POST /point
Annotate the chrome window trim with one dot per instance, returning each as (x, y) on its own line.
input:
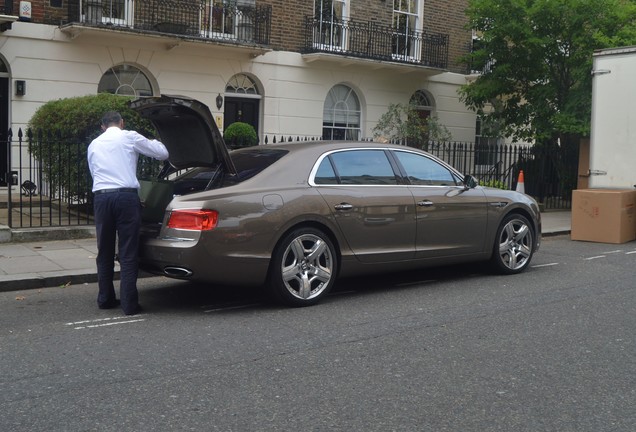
(314, 170)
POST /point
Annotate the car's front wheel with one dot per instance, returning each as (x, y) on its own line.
(304, 267)
(513, 246)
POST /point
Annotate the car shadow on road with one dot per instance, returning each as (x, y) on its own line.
(168, 295)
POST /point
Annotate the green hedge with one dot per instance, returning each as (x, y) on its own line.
(60, 132)
(81, 116)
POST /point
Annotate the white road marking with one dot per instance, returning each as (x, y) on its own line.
(544, 265)
(595, 257)
(103, 322)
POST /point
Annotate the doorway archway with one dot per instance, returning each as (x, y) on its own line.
(242, 102)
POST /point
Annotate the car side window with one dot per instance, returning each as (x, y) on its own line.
(325, 173)
(363, 167)
(422, 170)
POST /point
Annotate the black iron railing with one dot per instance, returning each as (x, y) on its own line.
(50, 183)
(550, 175)
(52, 186)
(203, 19)
(372, 41)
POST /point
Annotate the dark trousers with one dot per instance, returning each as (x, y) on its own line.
(117, 216)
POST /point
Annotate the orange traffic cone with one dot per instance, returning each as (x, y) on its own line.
(520, 186)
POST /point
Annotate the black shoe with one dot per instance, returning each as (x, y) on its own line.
(135, 311)
(110, 305)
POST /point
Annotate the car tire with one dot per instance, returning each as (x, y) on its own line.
(513, 246)
(303, 268)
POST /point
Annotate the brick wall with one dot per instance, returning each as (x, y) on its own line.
(440, 16)
(41, 10)
(288, 21)
(448, 16)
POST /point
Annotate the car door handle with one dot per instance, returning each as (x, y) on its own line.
(343, 206)
(425, 203)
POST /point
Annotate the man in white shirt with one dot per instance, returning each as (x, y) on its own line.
(112, 160)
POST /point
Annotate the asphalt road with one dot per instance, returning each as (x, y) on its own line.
(454, 349)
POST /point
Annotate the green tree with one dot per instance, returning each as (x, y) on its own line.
(536, 58)
(403, 123)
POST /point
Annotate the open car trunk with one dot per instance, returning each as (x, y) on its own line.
(188, 130)
(156, 194)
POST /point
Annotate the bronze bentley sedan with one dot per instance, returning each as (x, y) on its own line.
(294, 217)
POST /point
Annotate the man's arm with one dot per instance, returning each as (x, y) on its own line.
(148, 147)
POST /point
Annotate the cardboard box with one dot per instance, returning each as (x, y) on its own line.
(604, 215)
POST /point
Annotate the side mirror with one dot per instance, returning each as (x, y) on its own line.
(470, 182)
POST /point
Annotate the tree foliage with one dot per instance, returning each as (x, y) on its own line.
(403, 123)
(536, 58)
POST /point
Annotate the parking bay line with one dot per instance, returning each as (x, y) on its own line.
(103, 322)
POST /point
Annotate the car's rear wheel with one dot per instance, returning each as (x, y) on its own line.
(304, 267)
(513, 247)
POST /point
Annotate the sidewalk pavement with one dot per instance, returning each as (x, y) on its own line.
(49, 260)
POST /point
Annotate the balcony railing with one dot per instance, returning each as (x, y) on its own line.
(204, 19)
(372, 41)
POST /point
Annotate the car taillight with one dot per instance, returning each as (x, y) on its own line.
(198, 220)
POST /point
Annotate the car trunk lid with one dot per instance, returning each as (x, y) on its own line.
(188, 130)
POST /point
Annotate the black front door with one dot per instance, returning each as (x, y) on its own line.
(241, 110)
(4, 128)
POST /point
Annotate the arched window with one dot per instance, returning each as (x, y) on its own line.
(423, 103)
(241, 84)
(341, 114)
(125, 80)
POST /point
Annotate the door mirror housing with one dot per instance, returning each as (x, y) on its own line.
(470, 182)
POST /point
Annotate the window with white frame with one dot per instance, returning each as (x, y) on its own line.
(227, 19)
(241, 84)
(117, 12)
(407, 41)
(341, 114)
(125, 80)
(330, 29)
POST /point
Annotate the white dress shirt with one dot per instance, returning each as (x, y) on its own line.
(112, 157)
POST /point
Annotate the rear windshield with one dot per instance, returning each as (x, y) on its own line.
(248, 163)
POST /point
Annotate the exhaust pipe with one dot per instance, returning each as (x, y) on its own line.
(178, 272)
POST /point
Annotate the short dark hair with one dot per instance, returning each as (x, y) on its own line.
(111, 118)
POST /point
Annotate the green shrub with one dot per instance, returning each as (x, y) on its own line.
(494, 184)
(403, 123)
(81, 116)
(60, 132)
(239, 135)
